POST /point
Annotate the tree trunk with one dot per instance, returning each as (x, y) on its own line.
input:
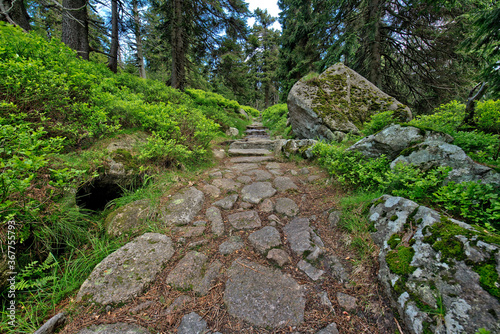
(138, 40)
(113, 58)
(178, 48)
(14, 12)
(75, 27)
(375, 56)
(470, 107)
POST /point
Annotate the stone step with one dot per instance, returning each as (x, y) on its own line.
(252, 159)
(249, 152)
(264, 144)
(255, 128)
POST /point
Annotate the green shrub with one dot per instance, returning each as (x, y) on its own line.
(378, 122)
(480, 143)
(275, 118)
(472, 201)
(351, 168)
(476, 202)
(251, 111)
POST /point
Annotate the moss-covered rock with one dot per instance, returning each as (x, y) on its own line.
(442, 274)
(338, 100)
(130, 218)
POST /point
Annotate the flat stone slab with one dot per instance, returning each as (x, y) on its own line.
(128, 219)
(267, 206)
(347, 302)
(244, 167)
(252, 152)
(204, 285)
(279, 256)
(188, 273)
(257, 191)
(183, 207)
(227, 202)
(303, 239)
(244, 220)
(118, 328)
(286, 206)
(244, 179)
(259, 174)
(252, 159)
(215, 217)
(265, 239)
(192, 323)
(283, 183)
(125, 273)
(309, 270)
(263, 296)
(276, 172)
(226, 184)
(273, 165)
(330, 329)
(231, 245)
(213, 191)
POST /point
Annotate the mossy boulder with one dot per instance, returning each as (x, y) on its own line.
(395, 139)
(440, 273)
(129, 218)
(430, 154)
(338, 100)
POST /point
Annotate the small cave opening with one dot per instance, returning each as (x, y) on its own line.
(96, 194)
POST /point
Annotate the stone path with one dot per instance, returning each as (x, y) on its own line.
(248, 249)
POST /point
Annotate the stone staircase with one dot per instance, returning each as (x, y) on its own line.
(256, 142)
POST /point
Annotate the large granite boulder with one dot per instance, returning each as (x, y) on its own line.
(431, 154)
(392, 140)
(125, 273)
(441, 274)
(339, 100)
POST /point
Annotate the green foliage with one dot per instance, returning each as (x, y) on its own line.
(53, 106)
(477, 202)
(351, 168)
(481, 143)
(60, 278)
(35, 275)
(275, 119)
(473, 201)
(482, 331)
(378, 122)
(251, 111)
(411, 182)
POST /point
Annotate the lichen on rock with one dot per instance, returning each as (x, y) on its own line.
(441, 273)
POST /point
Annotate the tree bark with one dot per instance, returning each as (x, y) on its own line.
(14, 12)
(470, 107)
(375, 54)
(75, 27)
(178, 48)
(138, 40)
(113, 59)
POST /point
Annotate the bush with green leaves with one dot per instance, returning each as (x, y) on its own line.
(275, 118)
(481, 143)
(473, 202)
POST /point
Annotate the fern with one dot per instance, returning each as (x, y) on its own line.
(35, 275)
